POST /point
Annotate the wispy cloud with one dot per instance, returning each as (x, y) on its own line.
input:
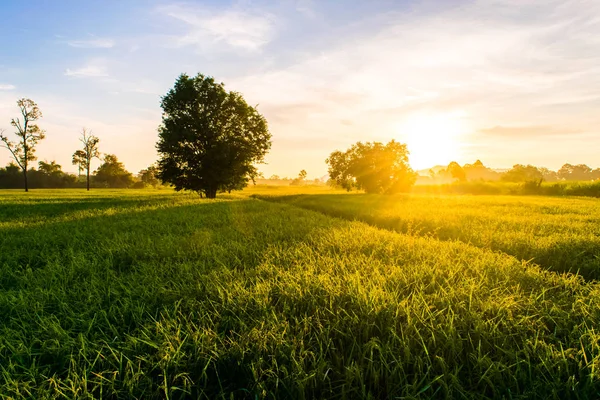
(94, 43)
(88, 71)
(513, 132)
(7, 87)
(306, 8)
(238, 28)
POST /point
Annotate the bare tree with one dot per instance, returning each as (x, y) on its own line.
(28, 134)
(83, 158)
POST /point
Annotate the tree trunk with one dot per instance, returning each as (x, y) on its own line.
(211, 194)
(88, 179)
(25, 178)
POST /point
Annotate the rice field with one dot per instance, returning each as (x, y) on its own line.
(153, 294)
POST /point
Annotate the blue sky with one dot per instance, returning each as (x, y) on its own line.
(505, 81)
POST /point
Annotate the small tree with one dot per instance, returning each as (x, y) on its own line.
(112, 173)
(83, 158)
(28, 134)
(456, 171)
(300, 179)
(149, 176)
(209, 139)
(78, 159)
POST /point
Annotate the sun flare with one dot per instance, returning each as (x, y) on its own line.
(432, 139)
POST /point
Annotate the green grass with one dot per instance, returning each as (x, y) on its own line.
(564, 188)
(560, 234)
(141, 294)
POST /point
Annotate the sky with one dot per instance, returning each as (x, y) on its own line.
(503, 81)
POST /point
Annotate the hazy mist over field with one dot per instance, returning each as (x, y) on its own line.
(507, 81)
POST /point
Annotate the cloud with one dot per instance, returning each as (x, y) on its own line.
(97, 43)
(512, 132)
(7, 87)
(306, 8)
(88, 71)
(248, 30)
(497, 65)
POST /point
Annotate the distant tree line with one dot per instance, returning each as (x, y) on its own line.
(21, 174)
(49, 175)
(519, 173)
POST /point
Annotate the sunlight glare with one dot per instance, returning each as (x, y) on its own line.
(432, 139)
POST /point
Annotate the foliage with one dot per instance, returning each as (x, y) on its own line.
(300, 180)
(528, 174)
(83, 158)
(561, 188)
(479, 172)
(51, 175)
(580, 172)
(149, 176)
(48, 175)
(112, 173)
(456, 171)
(28, 135)
(372, 167)
(210, 138)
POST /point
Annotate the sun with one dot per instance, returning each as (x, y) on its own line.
(432, 139)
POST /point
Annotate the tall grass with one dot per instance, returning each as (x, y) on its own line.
(587, 189)
(562, 235)
(168, 296)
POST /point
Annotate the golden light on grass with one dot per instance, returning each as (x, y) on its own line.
(433, 139)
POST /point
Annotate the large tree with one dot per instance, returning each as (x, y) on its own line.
(210, 138)
(373, 167)
(83, 157)
(28, 135)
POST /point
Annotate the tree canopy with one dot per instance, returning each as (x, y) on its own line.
(523, 173)
(112, 173)
(580, 172)
(456, 171)
(372, 167)
(148, 176)
(210, 138)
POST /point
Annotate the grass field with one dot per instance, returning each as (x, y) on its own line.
(560, 234)
(153, 294)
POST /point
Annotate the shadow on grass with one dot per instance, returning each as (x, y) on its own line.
(43, 208)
